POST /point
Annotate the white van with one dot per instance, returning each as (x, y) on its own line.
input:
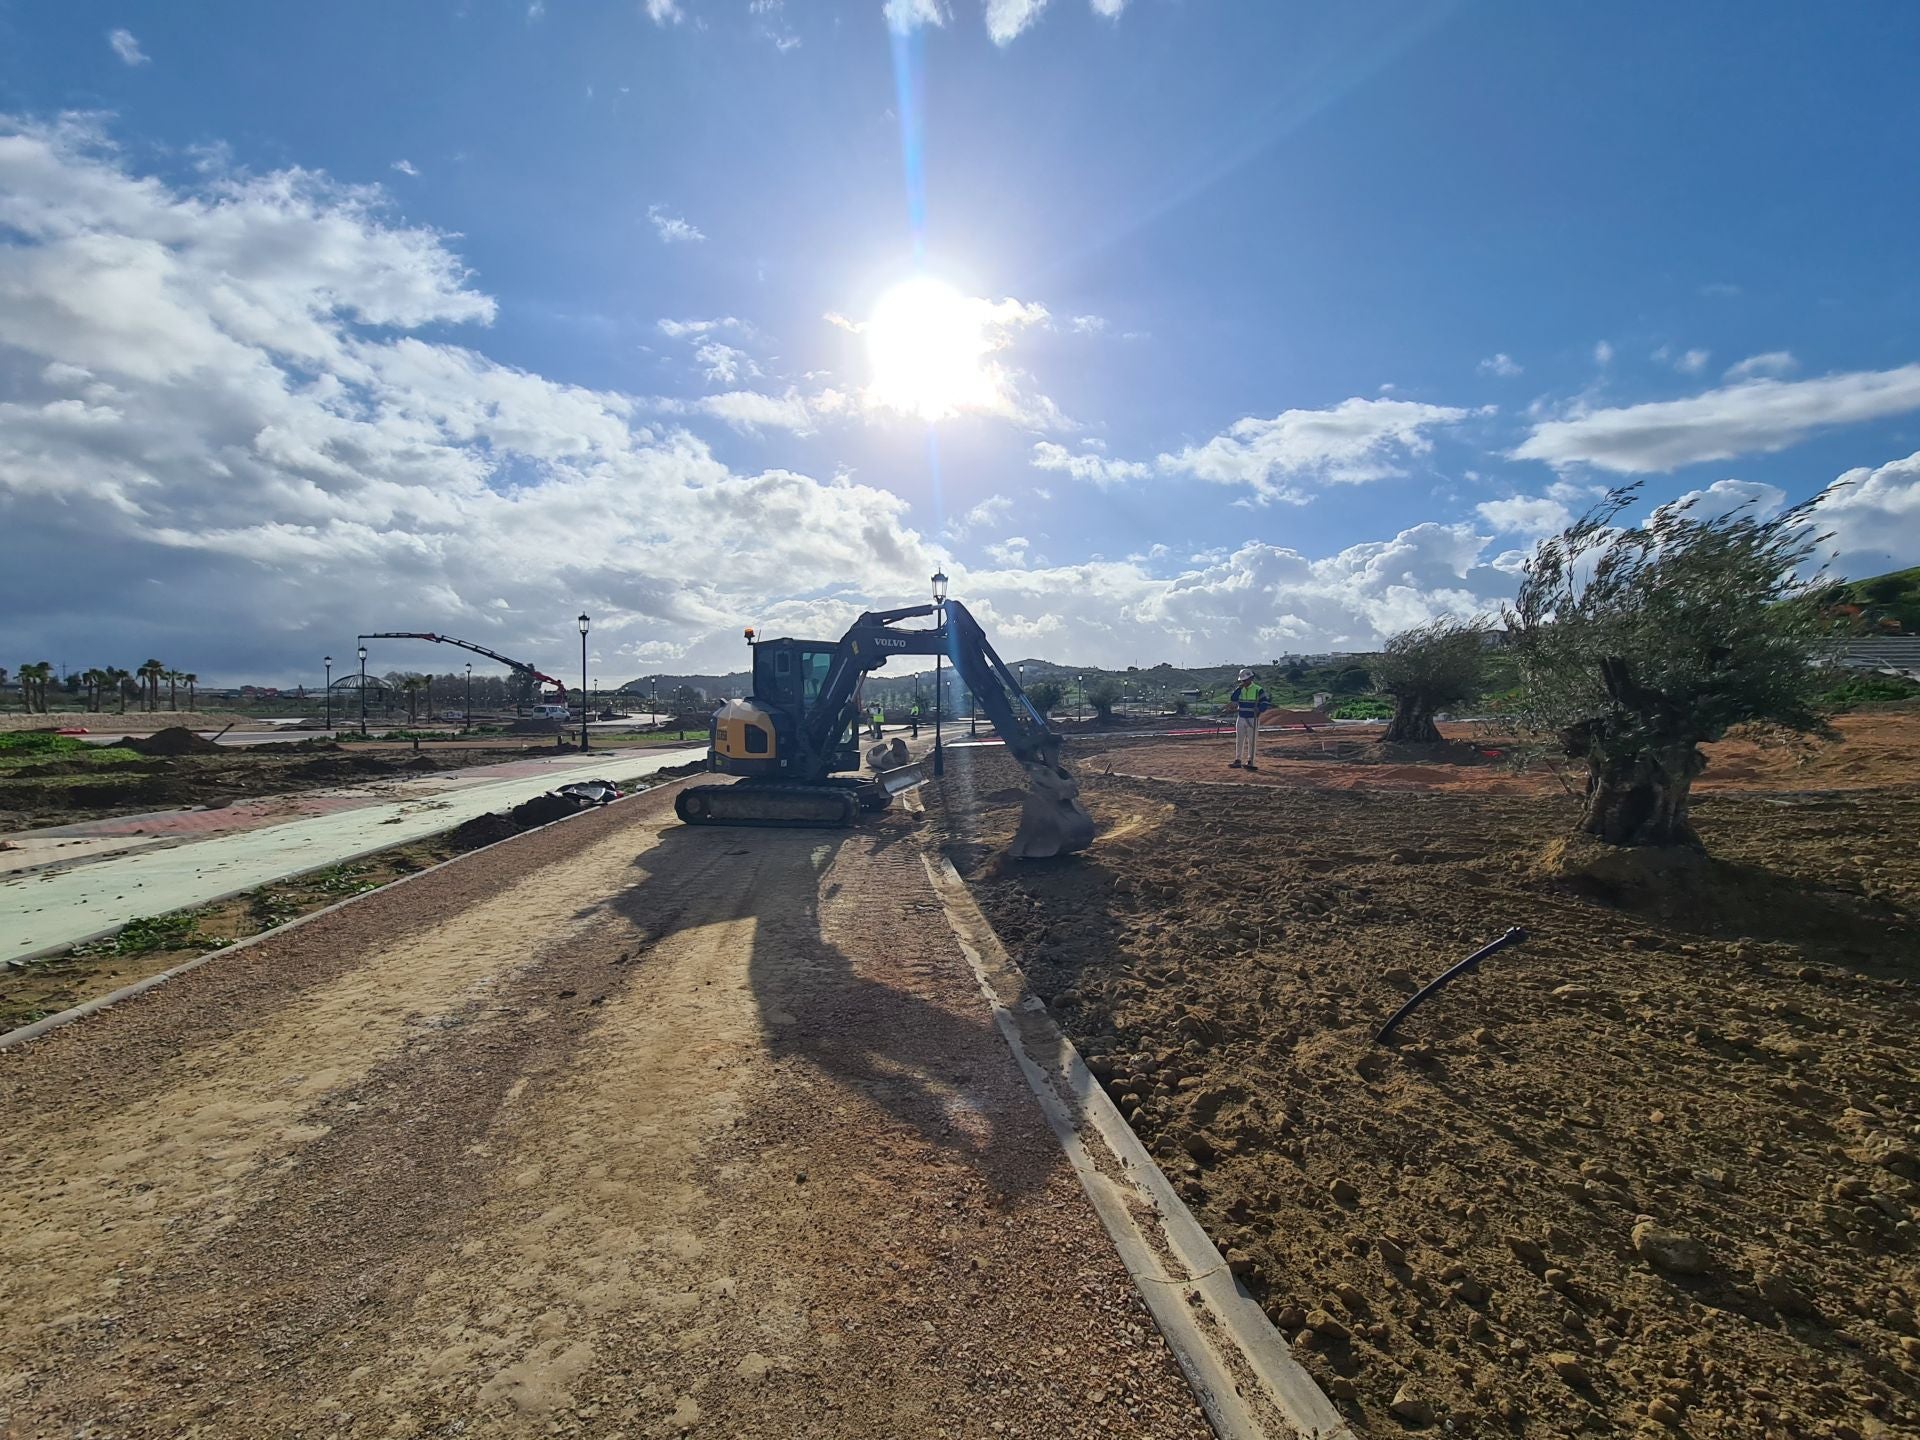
(552, 712)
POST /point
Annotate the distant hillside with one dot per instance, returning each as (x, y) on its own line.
(1887, 603)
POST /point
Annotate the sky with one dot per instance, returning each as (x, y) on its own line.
(1186, 330)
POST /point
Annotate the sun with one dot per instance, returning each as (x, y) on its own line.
(928, 345)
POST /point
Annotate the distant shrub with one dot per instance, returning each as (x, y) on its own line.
(1045, 695)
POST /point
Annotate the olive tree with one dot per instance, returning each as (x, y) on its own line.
(1045, 695)
(1426, 669)
(1636, 644)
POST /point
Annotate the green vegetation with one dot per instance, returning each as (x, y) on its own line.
(176, 931)
(1847, 689)
(1045, 695)
(21, 749)
(1365, 707)
(1102, 695)
(1889, 602)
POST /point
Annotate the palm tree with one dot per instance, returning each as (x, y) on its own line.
(150, 674)
(42, 673)
(190, 680)
(172, 678)
(93, 679)
(413, 685)
(121, 681)
(3, 677)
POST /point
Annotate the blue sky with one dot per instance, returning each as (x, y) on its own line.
(1296, 324)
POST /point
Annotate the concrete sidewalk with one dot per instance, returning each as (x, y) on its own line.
(66, 903)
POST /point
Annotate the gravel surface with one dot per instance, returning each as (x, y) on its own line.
(620, 1128)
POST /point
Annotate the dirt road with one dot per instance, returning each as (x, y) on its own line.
(618, 1129)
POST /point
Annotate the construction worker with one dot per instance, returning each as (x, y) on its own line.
(913, 719)
(1249, 702)
(876, 720)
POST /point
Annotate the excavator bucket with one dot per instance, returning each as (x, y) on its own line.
(1052, 821)
(891, 767)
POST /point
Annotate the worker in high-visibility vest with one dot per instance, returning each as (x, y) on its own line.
(913, 719)
(1248, 702)
(876, 720)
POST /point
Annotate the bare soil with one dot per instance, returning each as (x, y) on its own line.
(1874, 751)
(1655, 1171)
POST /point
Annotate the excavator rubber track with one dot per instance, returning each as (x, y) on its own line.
(792, 804)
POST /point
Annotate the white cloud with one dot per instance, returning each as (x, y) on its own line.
(1774, 363)
(536, 10)
(126, 47)
(905, 15)
(1012, 551)
(1873, 517)
(679, 329)
(1087, 324)
(1007, 18)
(1723, 497)
(1109, 8)
(1352, 442)
(990, 511)
(1760, 416)
(1097, 468)
(1500, 364)
(664, 12)
(405, 167)
(1602, 353)
(1693, 362)
(672, 228)
(1525, 515)
(723, 364)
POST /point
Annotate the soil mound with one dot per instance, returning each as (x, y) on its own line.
(543, 810)
(483, 830)
(174, 740)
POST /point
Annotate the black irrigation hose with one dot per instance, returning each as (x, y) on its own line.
(1515, 936)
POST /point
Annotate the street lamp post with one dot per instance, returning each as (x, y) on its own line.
(583, 680)
(1080, 705)
(467, 722)
(940, 610)
(329, 724)
(363, 692)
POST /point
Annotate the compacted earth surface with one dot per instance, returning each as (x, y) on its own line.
(1653, 1171)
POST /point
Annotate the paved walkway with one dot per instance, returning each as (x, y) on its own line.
(622, 1128)
(100, 885)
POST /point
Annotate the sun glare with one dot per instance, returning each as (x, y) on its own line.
(928, 346)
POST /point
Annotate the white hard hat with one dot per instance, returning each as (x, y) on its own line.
(1246, 674)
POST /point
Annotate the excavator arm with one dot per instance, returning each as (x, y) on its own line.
(1052, 822)
(520, 666)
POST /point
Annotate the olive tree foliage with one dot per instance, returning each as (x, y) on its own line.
(1045, 695)
(1425, 670)
(1102, 695)
(1636, 644)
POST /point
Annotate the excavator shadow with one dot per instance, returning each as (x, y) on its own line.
(855, 975)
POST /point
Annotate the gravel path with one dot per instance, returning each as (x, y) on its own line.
(621, 1128)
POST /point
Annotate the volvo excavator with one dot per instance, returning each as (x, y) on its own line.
(794, 740)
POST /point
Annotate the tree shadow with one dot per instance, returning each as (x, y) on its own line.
(853, 1017)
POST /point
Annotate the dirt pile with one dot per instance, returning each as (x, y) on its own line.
(174, 740)
(1655, 1172)
(486, 829)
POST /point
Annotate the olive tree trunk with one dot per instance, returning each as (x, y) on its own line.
(1412, 722)
(1642, 799)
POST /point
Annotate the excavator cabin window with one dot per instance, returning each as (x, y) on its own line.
(787, 673)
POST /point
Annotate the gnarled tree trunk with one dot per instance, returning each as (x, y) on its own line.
(1412, 722)
(1642, 799)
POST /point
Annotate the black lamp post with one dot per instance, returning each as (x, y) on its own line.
(467, 723)
(329, 663)
(1080, 705)
(583, 679)
(940, 609)
(363, 691)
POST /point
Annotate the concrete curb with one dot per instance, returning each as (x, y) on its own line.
(28, 1033)
(1242, 1371)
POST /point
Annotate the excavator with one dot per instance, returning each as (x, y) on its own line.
(793, 741)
